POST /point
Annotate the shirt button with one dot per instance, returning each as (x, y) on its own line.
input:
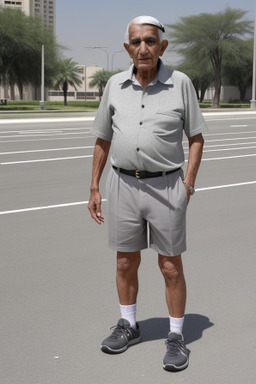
(138, 149)
(141, 123)
(143, 106)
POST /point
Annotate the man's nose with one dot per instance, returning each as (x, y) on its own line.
(143, 47)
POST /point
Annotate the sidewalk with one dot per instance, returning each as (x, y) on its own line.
(46, 114)
(43, 114)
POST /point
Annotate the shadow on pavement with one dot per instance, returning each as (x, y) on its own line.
(158, 328)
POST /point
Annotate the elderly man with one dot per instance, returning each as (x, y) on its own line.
(142, 116)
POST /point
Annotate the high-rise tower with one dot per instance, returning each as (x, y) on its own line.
(46, 9)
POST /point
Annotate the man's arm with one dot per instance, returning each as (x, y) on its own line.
(196, 144)
(100, 156)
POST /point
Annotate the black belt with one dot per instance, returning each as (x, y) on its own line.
(143, 174)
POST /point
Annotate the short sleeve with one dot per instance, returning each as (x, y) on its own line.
(194, 122)
(102, 125)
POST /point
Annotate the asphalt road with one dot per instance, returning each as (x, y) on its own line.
(57, 275)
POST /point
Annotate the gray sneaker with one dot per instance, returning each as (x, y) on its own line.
(122, 337)
(176, 357)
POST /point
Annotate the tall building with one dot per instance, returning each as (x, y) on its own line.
(13, 4)
(46, 9)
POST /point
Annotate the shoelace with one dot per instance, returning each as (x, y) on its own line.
(119, 331)
(174, 347)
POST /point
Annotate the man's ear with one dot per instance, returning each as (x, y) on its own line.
(164, 46)
(127, 47)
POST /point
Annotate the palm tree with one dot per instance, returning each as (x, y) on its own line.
(99, 80)
(67, 74)
(211, 37)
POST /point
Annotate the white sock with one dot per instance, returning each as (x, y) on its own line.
(128, 312)
(176, 324)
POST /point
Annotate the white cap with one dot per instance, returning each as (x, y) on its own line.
(148, 20)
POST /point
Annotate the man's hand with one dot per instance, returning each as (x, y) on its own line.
(188, 193)
(196, 144)
(99, 160)
(94, 207)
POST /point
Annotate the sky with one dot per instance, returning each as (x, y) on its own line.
(102, 23)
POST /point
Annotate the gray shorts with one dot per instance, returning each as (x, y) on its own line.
(147, 212)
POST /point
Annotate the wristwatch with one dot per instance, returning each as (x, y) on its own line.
(191, 189)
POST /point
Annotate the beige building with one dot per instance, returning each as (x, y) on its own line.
(82, 92)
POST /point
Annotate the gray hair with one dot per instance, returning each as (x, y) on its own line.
(146, 20)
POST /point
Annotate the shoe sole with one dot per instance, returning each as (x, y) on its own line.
(107, 349)
(174, 368)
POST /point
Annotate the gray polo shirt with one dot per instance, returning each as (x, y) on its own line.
(145, 126)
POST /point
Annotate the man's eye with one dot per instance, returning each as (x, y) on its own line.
(150, 41)
(135, 43)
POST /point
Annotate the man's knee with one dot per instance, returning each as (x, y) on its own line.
(128, 261)
(171, 267)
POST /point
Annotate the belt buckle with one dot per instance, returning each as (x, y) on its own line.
(137, 174)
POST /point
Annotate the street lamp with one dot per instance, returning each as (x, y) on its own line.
(42, 80)
(103, 49)
(253, 101)
(112, 58)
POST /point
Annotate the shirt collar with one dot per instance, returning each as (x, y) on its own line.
(163, 75)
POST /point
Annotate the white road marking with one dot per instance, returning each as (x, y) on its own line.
(228, 157)
(91, 118)
(238, 126)
(62, 129)
(45, 207)
(228, 145)
(45, 160)
(234, 113)
(229, 149)
(44, 134)
(233, 139)
(88, 156)
(229, 133)
(86, 136)
(46, 150)
(46, 120)
(44, 131)
(226, 186)
(104, 200)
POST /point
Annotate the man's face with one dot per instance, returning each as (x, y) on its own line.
(144, 46)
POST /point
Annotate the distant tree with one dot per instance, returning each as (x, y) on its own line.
(21, 39)
(200, 73)
(238, 72)
(68, 73)
(99, 80)
(214, 36)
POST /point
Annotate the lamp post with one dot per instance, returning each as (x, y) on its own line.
(253, 101)
(112, 58)
(42, 80)
(103, 49)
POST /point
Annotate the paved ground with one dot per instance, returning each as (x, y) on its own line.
(58, 296)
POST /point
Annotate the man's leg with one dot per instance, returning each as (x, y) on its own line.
(127, 284)
(176, 357)
(127, 331)
(175, 285)
(127, 276)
